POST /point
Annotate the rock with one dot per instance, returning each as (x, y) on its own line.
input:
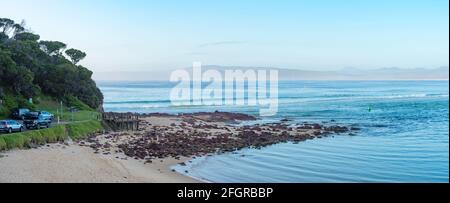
(199, 137)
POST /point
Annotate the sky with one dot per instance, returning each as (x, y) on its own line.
(146, 35)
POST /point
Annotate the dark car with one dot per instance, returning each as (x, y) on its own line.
(34, 120)
(10, 126)
(19, 113)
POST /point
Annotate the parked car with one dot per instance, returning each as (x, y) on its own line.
(35, 120)
(10, 126)
(19, 113)
(46, 115)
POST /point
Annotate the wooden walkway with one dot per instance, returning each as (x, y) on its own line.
(121, 121)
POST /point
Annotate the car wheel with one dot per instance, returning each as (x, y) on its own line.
(10, 130)
(21, 129)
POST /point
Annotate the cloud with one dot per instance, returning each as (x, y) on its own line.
(220, 43)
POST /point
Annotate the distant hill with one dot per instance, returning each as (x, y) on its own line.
(294, 74)
(376, 74)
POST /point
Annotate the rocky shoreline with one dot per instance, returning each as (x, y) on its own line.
(199, 134)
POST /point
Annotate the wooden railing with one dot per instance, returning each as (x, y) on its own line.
(121, 121)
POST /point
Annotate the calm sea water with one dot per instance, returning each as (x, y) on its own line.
(405, 138)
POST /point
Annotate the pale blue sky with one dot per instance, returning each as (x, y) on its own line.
(140, 35)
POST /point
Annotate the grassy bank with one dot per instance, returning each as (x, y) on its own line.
(84, 113)
(83, 129)
(51, 135)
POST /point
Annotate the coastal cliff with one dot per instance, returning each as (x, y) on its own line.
(32, 69)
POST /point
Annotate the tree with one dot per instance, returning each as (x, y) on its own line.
(75, 55)
(23, 82)
(30, 67)
(3, 37)
(24, 36)
(8, 26)
(2, 93)
(52, 47)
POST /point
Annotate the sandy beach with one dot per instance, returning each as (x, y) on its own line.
(59, 163)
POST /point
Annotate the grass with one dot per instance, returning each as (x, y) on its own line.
(50, 105)
(83, 129)
(30, 138)
(80, 116)
(51, 135)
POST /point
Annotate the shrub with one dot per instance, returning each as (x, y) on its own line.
(2, 144)
(75, 102)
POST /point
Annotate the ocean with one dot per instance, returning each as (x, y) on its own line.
(404, 133)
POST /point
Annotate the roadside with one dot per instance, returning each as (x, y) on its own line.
(57, 134)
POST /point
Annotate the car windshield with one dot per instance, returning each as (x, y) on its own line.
(32, 115)
(2, 122)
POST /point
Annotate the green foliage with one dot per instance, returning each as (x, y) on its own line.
(50, 135)
(75, 55)
(17, 78)
(75, 102)
(8, 26)
(26, 36)
(3, 145)
(52, 47)
(4, 112)
(11, 102)
(29, 67)
(18, 140)
(83, 129)
(80, 116)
